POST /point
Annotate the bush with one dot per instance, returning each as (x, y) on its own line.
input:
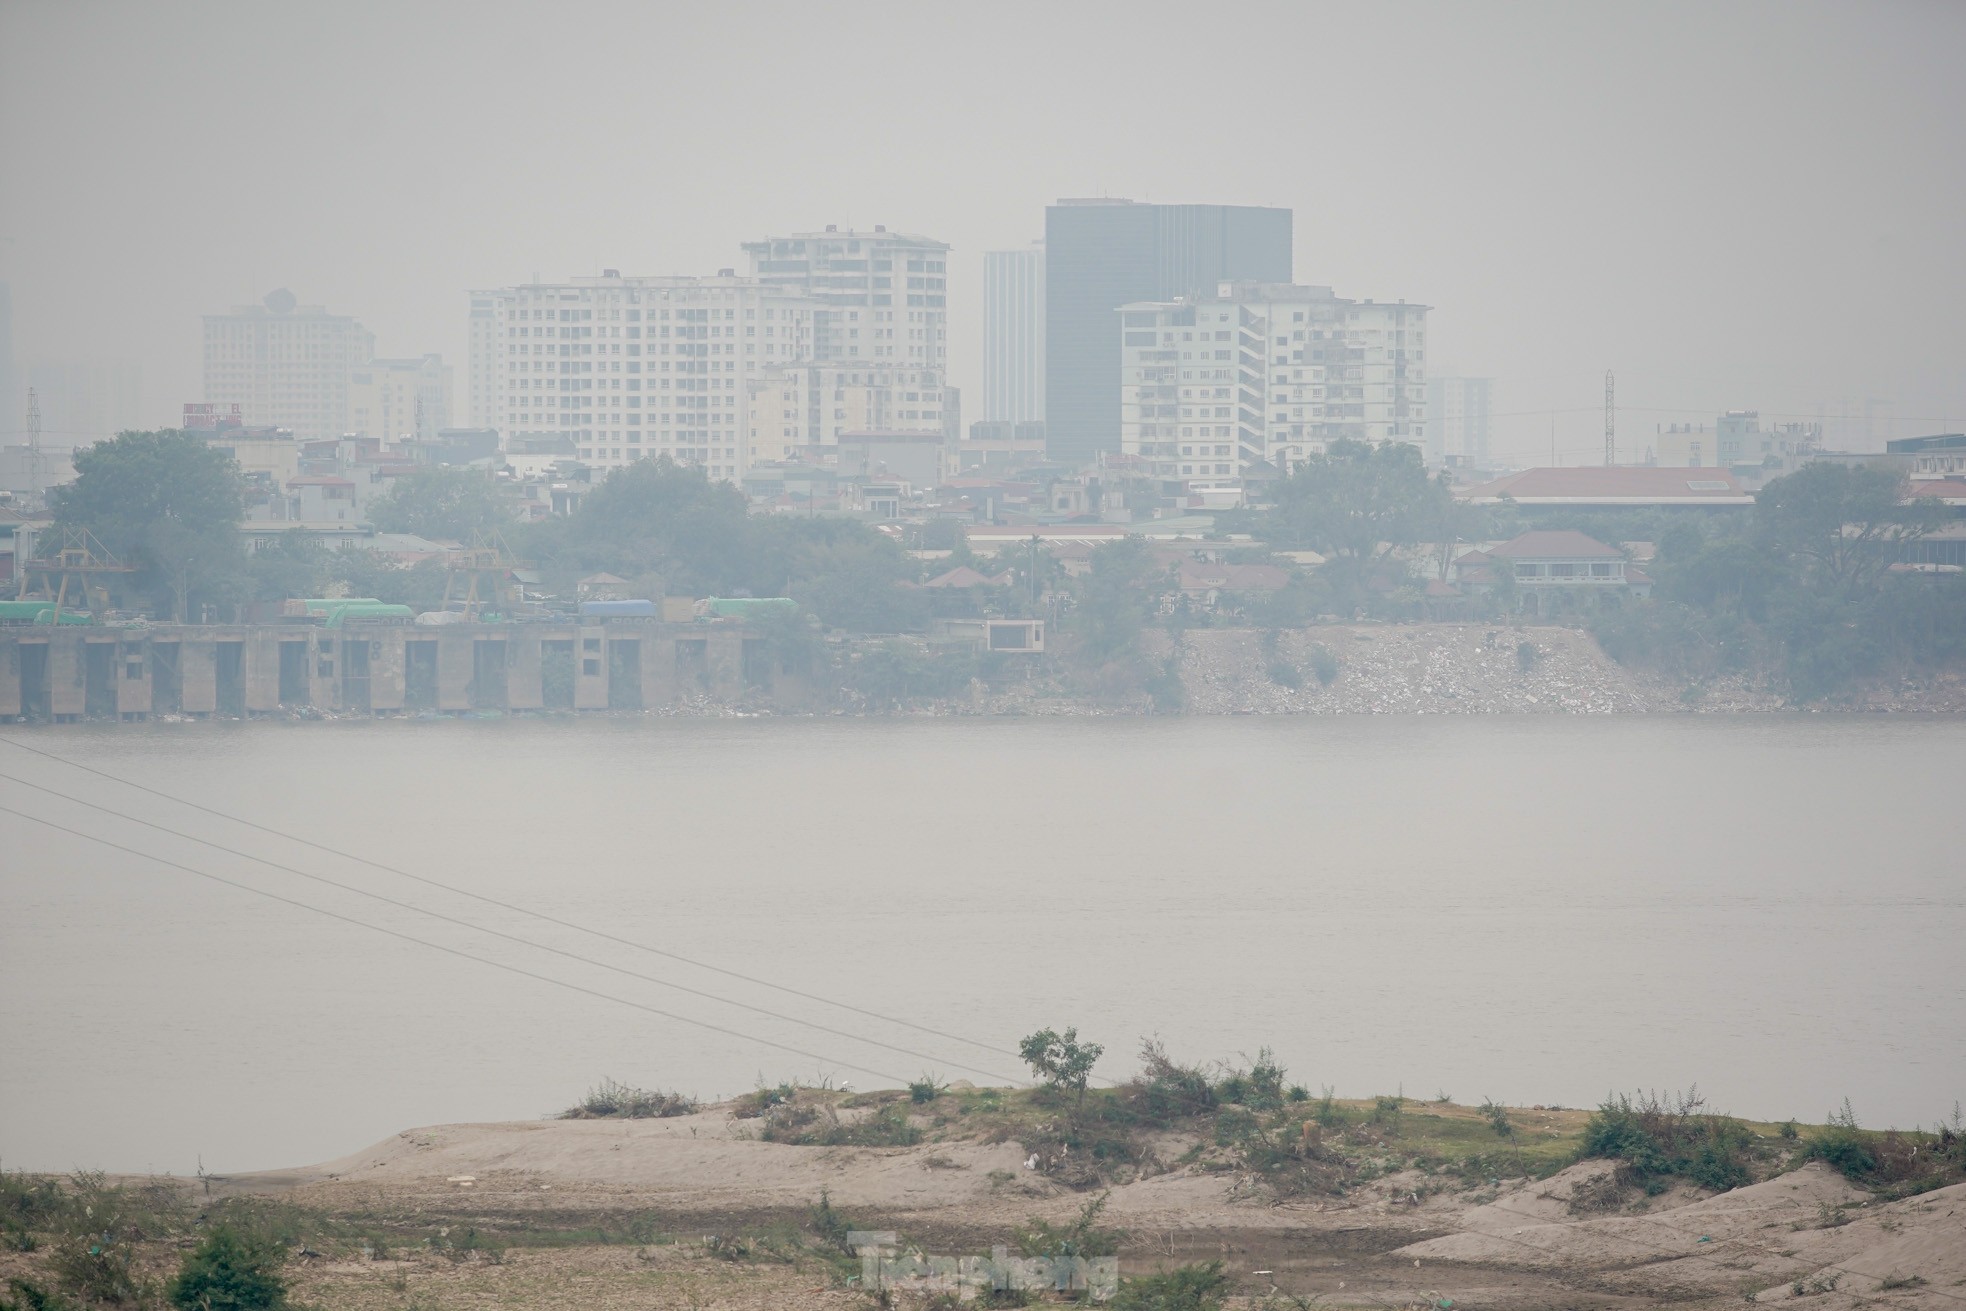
(1062, 1062)
(925, 1090)
(1525, 656)
(25, 1296)
(609, 1099)
(1164, 1090)
(1186, 1288)
(1284, 674)
(230, 1272)
(1662, 1138)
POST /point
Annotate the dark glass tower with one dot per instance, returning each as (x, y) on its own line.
(1102, 254)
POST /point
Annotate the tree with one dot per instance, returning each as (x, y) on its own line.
(450, 504)
(230, 1271)
(1062, 1062)
(1115, 597)
(1846, 524)
(1358, 499)
(165, 501)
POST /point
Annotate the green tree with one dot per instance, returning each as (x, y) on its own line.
(447, 504)
(1845, 524)
(1115, 597)
(165, 501)
(1062, 1061)
(230, 1271)
(1358, 499)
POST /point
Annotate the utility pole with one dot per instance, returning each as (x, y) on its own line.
(1610, 420)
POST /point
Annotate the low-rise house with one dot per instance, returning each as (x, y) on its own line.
(1554, 568)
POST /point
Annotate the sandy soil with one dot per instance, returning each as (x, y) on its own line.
(1402, 1241)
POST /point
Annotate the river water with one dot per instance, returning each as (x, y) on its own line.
(1537, 910)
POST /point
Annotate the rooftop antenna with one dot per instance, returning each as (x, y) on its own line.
(1610, 419)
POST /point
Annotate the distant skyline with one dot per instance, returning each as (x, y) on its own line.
(1741, 205)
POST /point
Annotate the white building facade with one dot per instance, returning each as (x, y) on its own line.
(883, 296)
(626, 368)
(397, 398)
(1013, 335)
(1266, 373)
(285, 365)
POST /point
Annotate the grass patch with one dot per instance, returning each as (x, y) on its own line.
(610, 1100)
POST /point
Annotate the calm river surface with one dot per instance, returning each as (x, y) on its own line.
(1532, 909)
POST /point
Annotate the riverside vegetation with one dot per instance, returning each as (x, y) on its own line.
(85, 1241)
(1796, 595)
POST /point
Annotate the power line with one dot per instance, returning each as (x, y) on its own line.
(506, 905)
(453, 951)
(498, 933)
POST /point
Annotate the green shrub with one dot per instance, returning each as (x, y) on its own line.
(230, 1271)
(609, 1099)
(1186, 1288)
(1525, 656)
(1663, 1138)
(1285, 674)
(26, 1296)
(925, 1090)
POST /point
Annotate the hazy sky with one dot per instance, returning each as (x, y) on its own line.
(1734, 205)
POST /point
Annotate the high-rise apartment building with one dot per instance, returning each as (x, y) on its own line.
(811, 404)
(1265, 372)
(1460, 420)
(285, 365)
(625, 368)
(1013, 335)
(1102, 254)
(480, 369)
(882, 295)
(393, 399)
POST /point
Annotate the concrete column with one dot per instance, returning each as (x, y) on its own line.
(198, 668)
(658, 668)
(726, 655)
(10, 676)
(590, 653)
(262, 670)
(524, 688)
(454, 659)
(67, 674)
(133, 695)
(388, 674)
(324, 690)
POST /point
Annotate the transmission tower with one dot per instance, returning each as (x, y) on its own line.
(1610, 420)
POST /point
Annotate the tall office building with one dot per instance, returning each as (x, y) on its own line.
(1102, 254)
(619, 369)
(1460, 420)
(882, 295)
(1265, 372)
(1013, 335)
(285, 365)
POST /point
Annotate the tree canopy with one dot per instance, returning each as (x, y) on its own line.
(165, 501)
(1357, 499)
(445, 504)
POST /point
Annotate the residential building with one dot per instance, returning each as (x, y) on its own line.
(1554, 569)
(1265, 373)
(827, 400)
(481, 355)
(284, 364)
(628, 368)
(882, 296)
(1460, 421)
(392, 399)
(1102, 254)
(1013, 335)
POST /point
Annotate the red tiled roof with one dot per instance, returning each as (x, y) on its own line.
(1613, 485)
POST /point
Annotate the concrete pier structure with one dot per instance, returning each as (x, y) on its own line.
(67, 674)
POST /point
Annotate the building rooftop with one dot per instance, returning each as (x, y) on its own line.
(1561, 544)
(1611, 485)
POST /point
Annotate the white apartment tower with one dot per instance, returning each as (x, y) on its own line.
(882, 295)
(285, 365)
(1266, 373)
(621, 369)
(1013, 335)
(480, 367)
(1460, 420)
